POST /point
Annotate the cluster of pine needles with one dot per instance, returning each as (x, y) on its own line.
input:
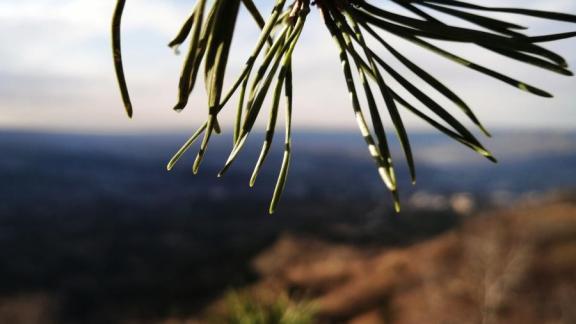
(268, 70)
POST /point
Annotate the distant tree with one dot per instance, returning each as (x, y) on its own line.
(210, 29)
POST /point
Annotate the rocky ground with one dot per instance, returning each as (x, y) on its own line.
(516, 265)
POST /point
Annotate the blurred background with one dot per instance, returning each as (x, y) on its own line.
(93, 229)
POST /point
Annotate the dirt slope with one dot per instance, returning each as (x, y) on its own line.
(511, 266)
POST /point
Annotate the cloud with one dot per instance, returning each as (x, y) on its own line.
(56, 69)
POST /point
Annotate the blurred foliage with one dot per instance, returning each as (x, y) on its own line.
(243, 309)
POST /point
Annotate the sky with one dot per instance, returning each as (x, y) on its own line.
(56, 71)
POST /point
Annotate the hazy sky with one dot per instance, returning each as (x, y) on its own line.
(56, 70)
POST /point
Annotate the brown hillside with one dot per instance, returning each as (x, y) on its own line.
(512, 266)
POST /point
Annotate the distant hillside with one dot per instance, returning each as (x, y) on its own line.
(94, 225)
(130, 169)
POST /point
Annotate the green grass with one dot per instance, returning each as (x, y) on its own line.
(243, 309)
